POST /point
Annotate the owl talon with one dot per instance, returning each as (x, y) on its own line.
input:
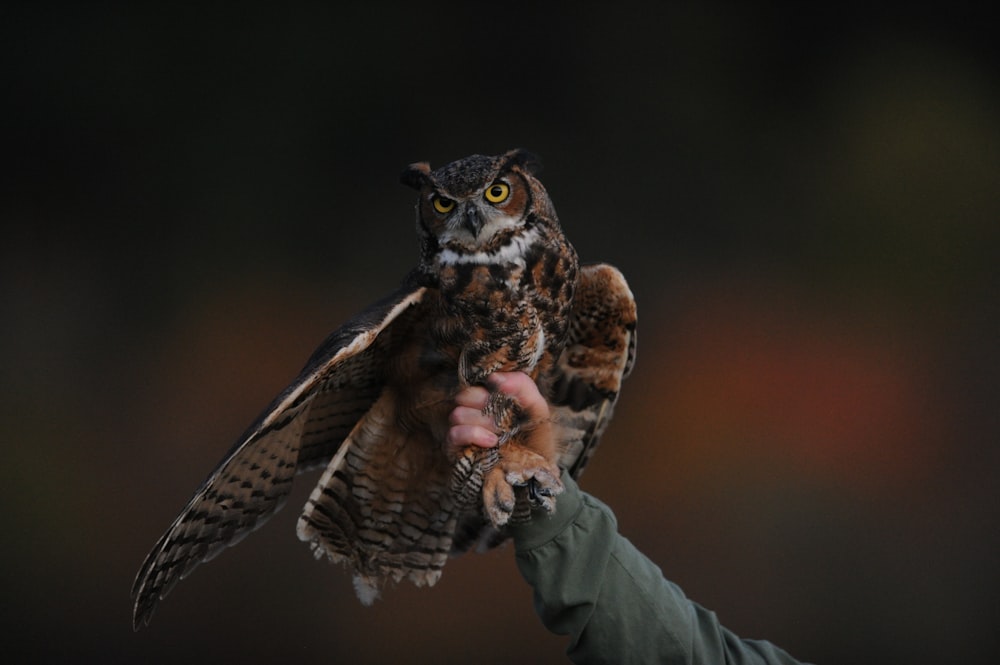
(537, 494)
(543, 496)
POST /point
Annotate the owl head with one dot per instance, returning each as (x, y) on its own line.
(479, 205)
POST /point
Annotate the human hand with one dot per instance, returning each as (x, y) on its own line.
(471, 427)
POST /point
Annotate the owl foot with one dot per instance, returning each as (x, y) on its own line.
(535, 479)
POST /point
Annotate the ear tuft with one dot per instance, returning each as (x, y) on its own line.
(525, 159)
(416, 175)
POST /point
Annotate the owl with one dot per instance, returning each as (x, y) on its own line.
(497, 288)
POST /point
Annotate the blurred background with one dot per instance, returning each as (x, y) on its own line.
(806, 207)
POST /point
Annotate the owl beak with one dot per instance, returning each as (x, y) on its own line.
(473, 221)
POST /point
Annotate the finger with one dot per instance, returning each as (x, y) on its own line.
(523, 390)
(467, 415)
(474, 397)
(460, 436)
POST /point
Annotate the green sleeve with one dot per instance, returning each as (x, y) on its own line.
(592, 584)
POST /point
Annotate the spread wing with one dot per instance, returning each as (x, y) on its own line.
(300, 430)
(598, 356)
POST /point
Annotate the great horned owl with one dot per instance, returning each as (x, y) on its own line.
(497, 288)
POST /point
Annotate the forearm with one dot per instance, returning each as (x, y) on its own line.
(592, 584)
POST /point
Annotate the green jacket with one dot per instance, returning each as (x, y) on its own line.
(592, 584)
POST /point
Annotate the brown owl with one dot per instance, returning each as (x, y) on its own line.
(497, 288)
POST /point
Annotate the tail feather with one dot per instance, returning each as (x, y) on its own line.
(383, 506)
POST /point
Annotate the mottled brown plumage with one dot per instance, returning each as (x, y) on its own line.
(497, 288)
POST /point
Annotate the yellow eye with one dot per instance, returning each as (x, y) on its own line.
(443, 205)
(497, 192)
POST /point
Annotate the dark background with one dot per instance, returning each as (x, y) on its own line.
(806, 207)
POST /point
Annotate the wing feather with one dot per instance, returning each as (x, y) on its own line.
(599, 354)
(301, 429)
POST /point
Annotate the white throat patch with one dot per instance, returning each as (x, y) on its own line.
(511, 253)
